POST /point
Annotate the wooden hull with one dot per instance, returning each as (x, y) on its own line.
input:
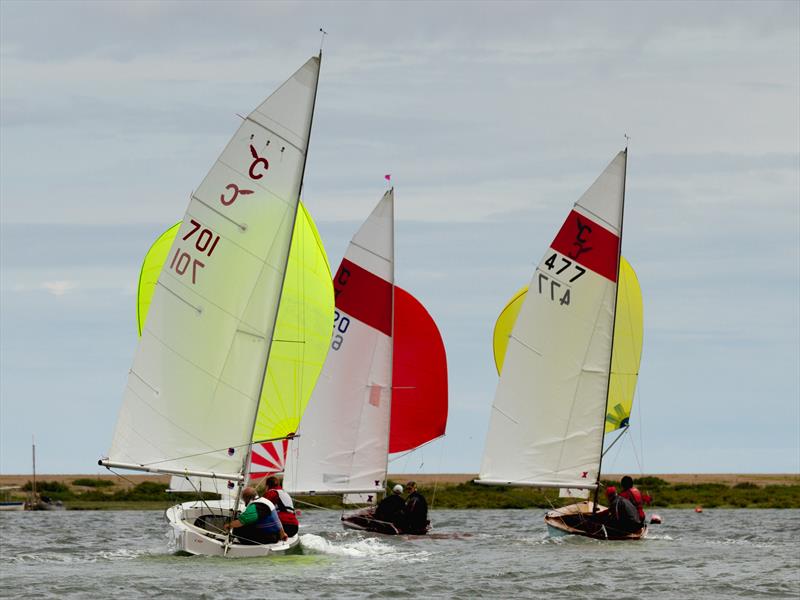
(363, 520)
(196, 528)
(581, 519)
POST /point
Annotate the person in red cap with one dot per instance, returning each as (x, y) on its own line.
(621, 512)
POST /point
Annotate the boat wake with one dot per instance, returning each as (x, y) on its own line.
(360, 547)
(76, 558)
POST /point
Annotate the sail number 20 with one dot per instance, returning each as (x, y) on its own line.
(205, 242)
(340, 325)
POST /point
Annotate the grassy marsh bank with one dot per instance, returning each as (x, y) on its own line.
(142, 492)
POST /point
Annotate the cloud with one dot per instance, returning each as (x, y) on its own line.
(59, 288)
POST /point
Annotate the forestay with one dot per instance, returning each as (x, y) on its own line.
(193, 391)
(548, 416)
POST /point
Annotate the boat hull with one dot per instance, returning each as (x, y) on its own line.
(12, 506)
(196, 528)
(581, 519)
(364, 520)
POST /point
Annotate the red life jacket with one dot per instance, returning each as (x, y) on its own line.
(635, 496)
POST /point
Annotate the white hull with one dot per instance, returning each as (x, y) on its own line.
(12, 506)
(186, 536)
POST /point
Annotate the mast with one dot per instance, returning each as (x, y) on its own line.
(391, 359)
(613, 333)
(33, 457)
(245, 469)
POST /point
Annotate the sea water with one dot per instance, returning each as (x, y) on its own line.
(470, 554)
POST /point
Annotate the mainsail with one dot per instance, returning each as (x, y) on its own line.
(301, 339)
(548, 416)
(344, 435)
(383, 388)
(193, 391)
(628, 336)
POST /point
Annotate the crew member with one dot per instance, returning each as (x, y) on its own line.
(416, 511)
(622, 513)
(284, 505)
(635, 496)
(390, 509)
(258, 523)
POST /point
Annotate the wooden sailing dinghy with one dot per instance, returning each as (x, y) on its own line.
(383, 388)
(560, 390)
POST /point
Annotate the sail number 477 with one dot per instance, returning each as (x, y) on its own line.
(548, 282)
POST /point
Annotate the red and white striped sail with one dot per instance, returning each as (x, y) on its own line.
(549, 410)
(343, 438)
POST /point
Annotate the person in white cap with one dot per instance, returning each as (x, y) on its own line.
(390, 508)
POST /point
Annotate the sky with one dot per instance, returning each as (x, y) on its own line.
(492, 118)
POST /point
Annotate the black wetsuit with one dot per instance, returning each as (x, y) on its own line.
(390, 510)
(416, 513)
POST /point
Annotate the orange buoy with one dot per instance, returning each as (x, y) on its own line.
(698, 509)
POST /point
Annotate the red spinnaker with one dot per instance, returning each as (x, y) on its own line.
(419, 381)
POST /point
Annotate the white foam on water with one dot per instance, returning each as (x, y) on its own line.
(367, 547)
(73, 558)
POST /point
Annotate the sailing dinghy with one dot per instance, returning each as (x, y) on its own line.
(560, 390)
(383, 387)
(191, 403)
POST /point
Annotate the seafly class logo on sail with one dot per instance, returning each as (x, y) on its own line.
(588, 243)
(206, 241)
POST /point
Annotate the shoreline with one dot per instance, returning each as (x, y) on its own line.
(429, 479)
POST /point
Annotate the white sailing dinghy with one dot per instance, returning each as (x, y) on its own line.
(383, 388)
(550, 410)
(191, 401)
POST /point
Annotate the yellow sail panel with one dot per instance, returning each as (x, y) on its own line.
(302, 331)
(504, 325)
(151, 268)
(628, 334)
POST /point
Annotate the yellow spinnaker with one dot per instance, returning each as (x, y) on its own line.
(628, 334)
(302, 331)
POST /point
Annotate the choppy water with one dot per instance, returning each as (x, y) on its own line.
(492, 553)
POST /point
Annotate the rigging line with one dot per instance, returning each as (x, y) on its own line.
(611, 445)
(264, 441)
(203, 500)
(636, 456)
(412, 450)
(121, 476)
(315, 505)
(436, 481)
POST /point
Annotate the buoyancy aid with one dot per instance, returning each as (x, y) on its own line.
(265, 509)
(283, 504)
(635, 496)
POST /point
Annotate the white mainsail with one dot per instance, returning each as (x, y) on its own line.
(548, 416)
(194, 387)
(344, 434)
